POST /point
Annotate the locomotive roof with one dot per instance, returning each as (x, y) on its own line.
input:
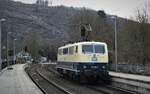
(80, 43)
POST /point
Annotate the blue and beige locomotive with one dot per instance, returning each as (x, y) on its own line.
(83, 61)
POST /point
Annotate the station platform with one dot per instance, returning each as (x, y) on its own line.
(16, 81)
(130, 76)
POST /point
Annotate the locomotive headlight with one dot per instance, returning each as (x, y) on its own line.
(84, 67)
(103, 67)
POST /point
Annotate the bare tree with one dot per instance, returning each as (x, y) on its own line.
(32, 41)
(136, 39)
(101, 30)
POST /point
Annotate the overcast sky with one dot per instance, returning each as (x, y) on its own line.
(122, 8)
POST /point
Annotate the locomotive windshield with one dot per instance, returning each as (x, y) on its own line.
(87, 48)
(99, 49)
(93, 49)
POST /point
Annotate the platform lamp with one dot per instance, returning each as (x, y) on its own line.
(14, 50)
(1, 20)
(116, 48)
(8, 65)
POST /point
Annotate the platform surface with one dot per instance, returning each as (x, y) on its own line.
(16, 81)
(130, 76)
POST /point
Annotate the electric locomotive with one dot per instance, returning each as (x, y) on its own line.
(83, 61)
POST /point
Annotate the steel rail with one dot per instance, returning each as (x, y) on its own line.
(36, 83)
(55, 84)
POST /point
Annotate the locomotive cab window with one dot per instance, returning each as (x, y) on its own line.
(99, 49)
(87, 48)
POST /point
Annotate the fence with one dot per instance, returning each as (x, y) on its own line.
(131, 68)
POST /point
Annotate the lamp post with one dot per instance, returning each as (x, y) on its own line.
(8, 50)
(1, 20)
(14, 48)
(116, 48)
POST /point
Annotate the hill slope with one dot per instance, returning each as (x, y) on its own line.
(52, 24)
(24, 18)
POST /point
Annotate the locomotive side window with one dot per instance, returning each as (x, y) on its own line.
(71, 50)
(65, 51)
(76, 49)
(99, 49)
(87, 48)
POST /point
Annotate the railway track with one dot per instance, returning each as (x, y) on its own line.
(55, 84)
(44, 84)
(105, 89)
(51, 77)
(110, 90)
(121, 90)
(35, 80)
(75, 89)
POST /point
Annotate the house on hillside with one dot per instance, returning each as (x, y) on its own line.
(42, 3)
(23, 57)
